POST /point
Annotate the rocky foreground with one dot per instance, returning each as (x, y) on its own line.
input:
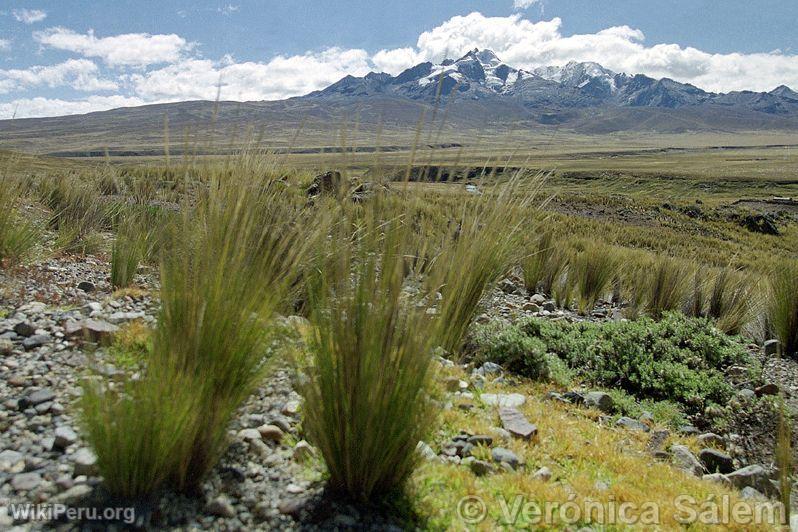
(56, 316)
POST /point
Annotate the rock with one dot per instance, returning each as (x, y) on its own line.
(538, 299)
(750, 493)
(488, 368)
(25, 329)
(760, 223)
(122, 317)
(543, 474)
(767, 389)
(452, 384)
(772, 347)
(6, 346)
(221, 507)
(271, 433)
(40, 396)
(549, 306)
(292, 507)
(480, 468)
(72, 496)
(426, 451)
(657, 440)
(511, 400)
(718, 478)
(12, 461)
(86, 286)
(754, 476)
(710, 438)
(505, 456)
(631, 424)
(326, 183)
(26, 481)
(531, 307)
(37, 340)
(746, 395)
(98, 331)
(600, 400)
(290, 408)
(249, 435)
(683, 459)
(85, 462)
(509, 287)
(716, 461)
(574, 397)
(516, 424)
(303, 451)
(688, 430)
(480, 439)
(64, 437)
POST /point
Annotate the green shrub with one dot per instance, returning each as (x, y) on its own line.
(676, 359)
(366, 392)
(783, 305)
(515, 351)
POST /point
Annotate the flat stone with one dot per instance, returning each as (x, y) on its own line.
(85, 462)
(26, 481)
(249, 434)
(767, 389)
(39, 396)
(772, 347)
(73, 495)
(480, 468)
(481, 439)
(12, 461)
(688, 430)
(754, 476)
(291, 408)
(632, 424)
(98, 331)
(271, 432)
(64, 437)
(716, 461)
(37, 340)
(505, 456)
(600, 400)
(512, 400)
(426, 451)
(710, 438)
(682, 458)
(516, 424)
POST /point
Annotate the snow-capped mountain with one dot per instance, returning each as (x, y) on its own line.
(482, 75)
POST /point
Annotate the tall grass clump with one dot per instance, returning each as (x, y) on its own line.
(783, 305)
(666, 286)
(77, 212)
(366, 402)
(545, 264)
(481, 249)
(594, 266)
(18, 235)
(731, 300)
(230, 260)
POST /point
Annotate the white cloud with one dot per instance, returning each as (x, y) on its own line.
(129, 49)
(524, 4)
(228, 10)
(282, 77)
(29, 16)
(38, 107)
(79, 74)
(5, 44)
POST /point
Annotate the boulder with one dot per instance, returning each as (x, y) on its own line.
(683, 459)
(600, 400)
(716, 461)
(753, 476)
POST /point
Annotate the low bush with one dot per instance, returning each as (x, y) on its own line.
(676, 359)
(515, 351)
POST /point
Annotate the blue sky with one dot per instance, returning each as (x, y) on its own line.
(71, 56)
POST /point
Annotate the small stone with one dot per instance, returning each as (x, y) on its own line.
(549, 306)
(600, 400)
(657, 440)
(85, 462)
(426, 451)
(516, 424)
(488, 368)
(767, 389)
(6, 346)
(98, 331)
(73, 495)
(750, 493)
(688, 430)
(37, 340)
(531, 307)
(506, 456)
(221, 507)
(249, 434)
(772, 347)
(716, 461)
(12, 461)
(271, 432)
(718, 478)
(511, 400)
(538, 299)
(291, 408)
(632, 424)
(292, 507)
(746, 395)
(64, 437)
(40, 396)
(86, 286)
(481, 468)
(683, 459)
(303, 451)
(25, 329)
(543, 474)
(26, 481)
(711, 439)
(481, 439)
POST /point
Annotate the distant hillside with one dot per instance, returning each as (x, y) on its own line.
(476, 91)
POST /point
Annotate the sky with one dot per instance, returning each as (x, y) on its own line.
(71, 56)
